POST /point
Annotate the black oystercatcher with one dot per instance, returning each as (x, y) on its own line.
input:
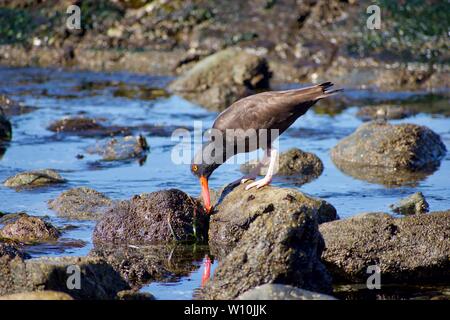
(251, 123)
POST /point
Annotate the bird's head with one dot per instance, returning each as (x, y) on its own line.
(202, 171)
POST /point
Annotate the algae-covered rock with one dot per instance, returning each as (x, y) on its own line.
(304, 166)
(11, 107)
(161, 216)
(390, 154)
(121, 148)
(414, 204)
(134, 295)
(384, 112)
(381, 144)
(86, 127)
(9, 250)
(412, 249)
(5, 128)
(272, 291)
(80, 203)
(37, 295)
(139, 265)
(282, 245)
(29, 229)
(223, 78)
(33, 179)
(236, 211)
(98, 280)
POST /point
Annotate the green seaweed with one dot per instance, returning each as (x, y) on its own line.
(414, 30)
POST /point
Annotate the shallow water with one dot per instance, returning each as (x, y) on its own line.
(56, 94)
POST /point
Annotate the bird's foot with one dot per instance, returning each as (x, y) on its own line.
(260, 183)
(247, 178)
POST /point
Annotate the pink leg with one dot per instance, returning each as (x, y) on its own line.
(255, 172)
(268, 178)
(207, 270)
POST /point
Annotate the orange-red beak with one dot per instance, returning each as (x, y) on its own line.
(205, 193)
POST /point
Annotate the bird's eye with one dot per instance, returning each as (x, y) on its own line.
(194, 167)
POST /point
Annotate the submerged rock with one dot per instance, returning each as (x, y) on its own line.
(238, 209)
(397, 291)
(272, 291)
(123, 148)
(139, 92)
(157, 217)
(382, 144)
(413, 249)
(414, 204)
(5, 128)
(139, 265)
(304, 165)
(11, 250)
(83, 126)
(384, 112)
(98, 280)
(379, 151)
(222, 78)
(29, 229)
(33, 179)
(37, 295)
(390, 177)
(80, 203)
(11, 107)
(134, 295)
(75, 124)
(281, 245)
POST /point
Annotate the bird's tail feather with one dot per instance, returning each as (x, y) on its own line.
(328, 93)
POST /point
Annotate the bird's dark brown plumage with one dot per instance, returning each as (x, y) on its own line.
(254, 119)
(271, 110)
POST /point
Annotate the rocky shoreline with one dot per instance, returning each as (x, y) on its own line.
(308, 42)
(269, 243)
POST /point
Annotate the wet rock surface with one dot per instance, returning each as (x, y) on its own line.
(304, 166)
(410, 249)
(222, 78)
(400, 291)
(9, 107)
(134, 295)
(9, 250)
(402, 153)
(389, 177)
(98, 279)
(237, 209)
(87, 127)
(282, 246)
(80, 203)
(122, 148)
(382, 144)
(5, 128)
(314, 40)
(28, 229)
(282, 292)
(139, 265)
(37, 295)
(384, 112)
(34, 179)
(162, 216)
(414, 204)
